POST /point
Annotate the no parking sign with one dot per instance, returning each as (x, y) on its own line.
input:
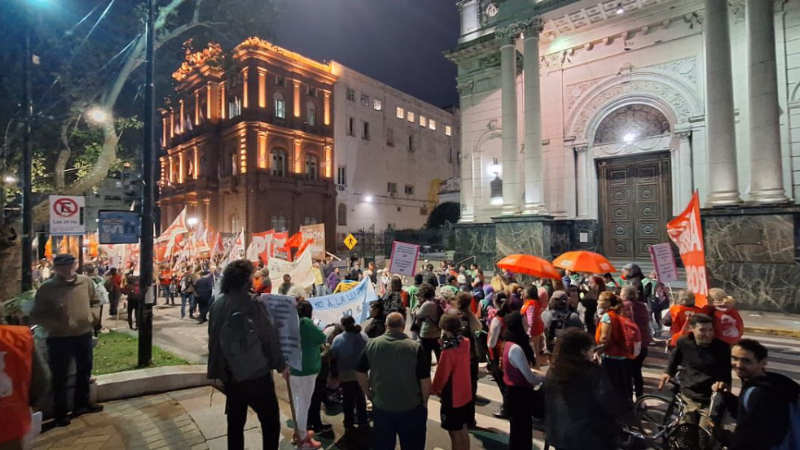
(66, 215)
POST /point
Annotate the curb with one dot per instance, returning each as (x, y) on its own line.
(154, 380)
(773, 331)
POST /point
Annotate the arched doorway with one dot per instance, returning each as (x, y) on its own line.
(634, 191)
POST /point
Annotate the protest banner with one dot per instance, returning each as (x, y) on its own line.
(404, 258)
(329, 309)
(260, 246)
(282, 311)
(687, 233)
(299, 270)
(664, 262)
(317, 233)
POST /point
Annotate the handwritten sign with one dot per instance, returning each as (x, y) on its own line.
(283, 314)
(664, 262)
(404, 258)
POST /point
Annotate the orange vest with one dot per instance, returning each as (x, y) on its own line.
(16, 360)
(680, 321)
(728, 325)
(616, 343)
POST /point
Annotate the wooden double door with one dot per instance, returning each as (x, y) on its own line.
(635, 194)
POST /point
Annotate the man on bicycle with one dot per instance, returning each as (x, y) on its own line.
(762, 411)
(704, 361)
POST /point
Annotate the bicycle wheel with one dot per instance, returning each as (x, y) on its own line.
(656, 413)
(688, 436)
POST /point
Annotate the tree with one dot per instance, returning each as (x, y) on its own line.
(444, 213)
(96, 64)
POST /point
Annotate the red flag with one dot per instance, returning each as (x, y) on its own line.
(303, 247)
(295, 241)
(686, 232)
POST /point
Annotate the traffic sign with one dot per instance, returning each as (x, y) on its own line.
(118, 227)
(350, 241)
(66, 215)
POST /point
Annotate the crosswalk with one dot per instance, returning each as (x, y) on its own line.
(784, 358)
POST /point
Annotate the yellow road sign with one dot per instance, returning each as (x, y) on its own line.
(350, 241)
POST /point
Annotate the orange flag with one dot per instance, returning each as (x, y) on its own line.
(686, 232)
(48, 248)
(295, 241)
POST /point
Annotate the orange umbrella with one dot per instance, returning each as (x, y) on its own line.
(583, 261)
(529, 265)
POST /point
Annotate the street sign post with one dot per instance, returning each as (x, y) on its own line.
(118, 227)
(66, 215)
(350, 241)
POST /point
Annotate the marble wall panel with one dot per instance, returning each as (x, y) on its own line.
(527, 237)
(763, 287)
(476, 240)
(750, 238)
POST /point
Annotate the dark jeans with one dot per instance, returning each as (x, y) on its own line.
(133, 310)
(354, 399)
(61, 351)
(258, 394)
(187, 298)
(619, 373)
(473, 375)
(498, 378)
(431, 345)
(410, 426)
(519, 404)
(319, 395)
(636, 372)
(169, 297)
(204, 305)
(113, 303)
(588, 319)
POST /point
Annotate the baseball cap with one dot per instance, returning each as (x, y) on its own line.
(63, 259)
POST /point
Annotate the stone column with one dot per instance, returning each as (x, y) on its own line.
(766, 171)
(508, 87)
(582, 181)
(723, 179)
(684, 183)
(534, 164)
(467, 182)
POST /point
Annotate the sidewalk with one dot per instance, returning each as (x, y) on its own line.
(771, 323)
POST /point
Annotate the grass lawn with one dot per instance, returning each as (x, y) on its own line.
(117, 352)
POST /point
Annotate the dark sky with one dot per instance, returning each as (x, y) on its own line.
(397, 42)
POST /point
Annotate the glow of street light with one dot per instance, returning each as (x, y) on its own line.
(620, 11)
(192, 221)
(10, 179)
(97, 115)
(368, 199)
(629, 137)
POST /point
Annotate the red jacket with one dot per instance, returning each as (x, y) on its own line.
(454, 366)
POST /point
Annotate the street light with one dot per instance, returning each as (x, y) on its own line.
(97, 115)
(10, 179)
(192, 221)
(368, 199)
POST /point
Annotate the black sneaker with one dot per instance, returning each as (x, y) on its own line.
(62, 422)
(88, 409)
(500, 414)
(324, 429)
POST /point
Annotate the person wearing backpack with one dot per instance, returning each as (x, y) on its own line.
(243, 350)
(635, 309)
(679, 314)
(767, 411)
(704, 361)
(470, 327)
(393, 300)
(558, 318)
(611, 345)
(427, 318)
(187, 293)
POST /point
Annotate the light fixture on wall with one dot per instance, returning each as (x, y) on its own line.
(494, 167)
(368, 199)
(630, 137)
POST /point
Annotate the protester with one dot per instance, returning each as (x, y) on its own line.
(264, 285)
(658, 300)
(635, 308)
(611, 283)
(763, 410)
(452, 382)
(373, 273)
(319, 281)
(386, 278)
(633, 276)
(204, 294)
(521, 402)
(679, 314)
(333, 279)
(376, 324)
(536, 301)
(187, 294)
(558, 318)
(286, 286)
(303, 381)
(704, 361)
(583, 408)
(134, 297)
(591, 292)
(113, 285)
(102, 295)
(470, 327)
(395, 300)
(62, 307)
(495, 342)
(395, 374)
(610, 338)
(246, 376)
(355, 273)
(345, 351)
(428, 276)
(427, 318)
(728, 323)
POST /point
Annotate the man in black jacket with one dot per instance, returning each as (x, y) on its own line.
(705, 361)
(762, 410)
(203, 292)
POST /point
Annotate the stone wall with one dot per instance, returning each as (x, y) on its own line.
(478, 240)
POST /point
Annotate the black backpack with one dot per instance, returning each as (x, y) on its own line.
(558, 323)
(241, 348)
(392, 302)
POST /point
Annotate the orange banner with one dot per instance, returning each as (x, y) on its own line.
(686, 232)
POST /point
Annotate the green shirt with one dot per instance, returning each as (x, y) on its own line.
(412, 296)
(395, 364)
(311, 338)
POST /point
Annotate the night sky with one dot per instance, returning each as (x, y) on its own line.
(397, 42)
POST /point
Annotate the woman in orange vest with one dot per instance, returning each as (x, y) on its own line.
(610, 338)
(728, 323)
(679, 314)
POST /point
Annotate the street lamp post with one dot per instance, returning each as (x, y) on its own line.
(27, 158)
(148, 182)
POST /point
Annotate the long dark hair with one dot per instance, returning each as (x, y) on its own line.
(569, 361)
(515, 332)
(350, 326)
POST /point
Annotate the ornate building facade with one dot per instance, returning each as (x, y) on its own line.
(589, 124)
(250, 146)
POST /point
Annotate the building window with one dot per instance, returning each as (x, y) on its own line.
(351, 95)
(311, 114)
(365, 130)
(390, 137)
(279, 163)
(401, 113)
(280, 106)
(410, 116)
(341, 178)
(279, 223)
(234, 107)
(311, 167)
(364, 100)
(234, 223)
(411, 142)
(280, 80)
(409, 189)
(310, 221)
(392, 188)
(311, 91)
(432, 124)
(423, 122)
(351, 126)
(342, 215)
(377, 105)
(448, 130)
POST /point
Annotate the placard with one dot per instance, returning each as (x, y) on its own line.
(664, 262)
(282, 312)
(316, 232)
(404, 258)
(66, 215)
